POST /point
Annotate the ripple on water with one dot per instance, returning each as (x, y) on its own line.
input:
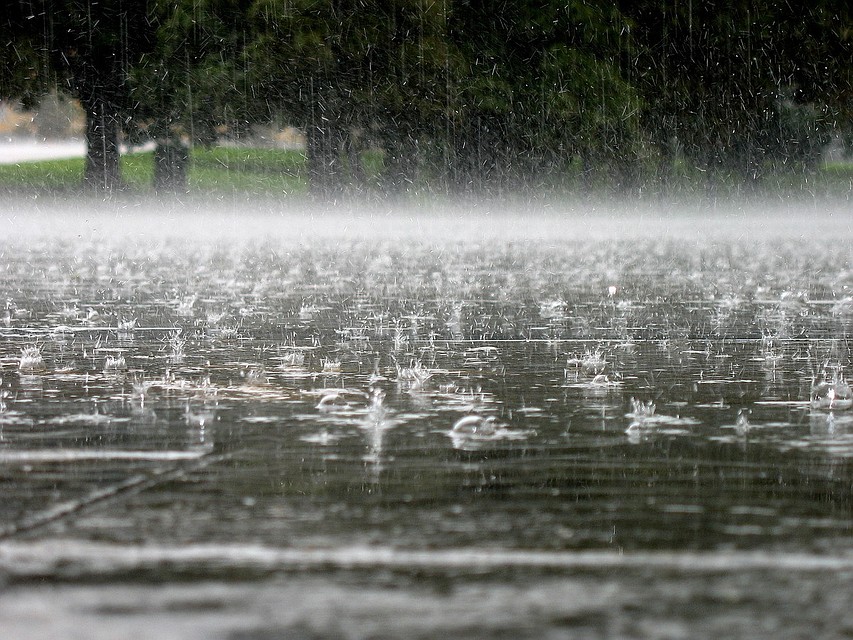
(507, 372)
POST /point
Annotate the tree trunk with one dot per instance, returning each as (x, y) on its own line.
(352, 148)
(103, 171)
(473, 156)
(323, 146)
(171, 159)
(401, 156)
(665, 174)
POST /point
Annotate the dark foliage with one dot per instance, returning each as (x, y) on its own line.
(455, 95)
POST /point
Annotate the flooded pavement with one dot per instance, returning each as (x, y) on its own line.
(368, 426)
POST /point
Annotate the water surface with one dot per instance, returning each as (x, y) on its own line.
(479, 407)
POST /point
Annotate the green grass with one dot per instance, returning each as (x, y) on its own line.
(225, 171)
(48, 175)
(838, 175)
(216, 171)
(249, 160)
(256, 171)
(137, 170)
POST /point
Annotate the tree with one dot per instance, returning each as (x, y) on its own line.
(407, 82)
(470, 94)
(744, 86)
(296, 65)
(542, 84)
(352, 73)
(185, 89)
(86, 48)
(25, 69)
(94, 45)
(811, 61)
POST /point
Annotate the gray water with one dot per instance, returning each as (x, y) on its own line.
(528, 422)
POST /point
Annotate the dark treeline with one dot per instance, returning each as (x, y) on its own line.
(452, 95)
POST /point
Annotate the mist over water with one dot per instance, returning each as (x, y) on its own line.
(508, 219)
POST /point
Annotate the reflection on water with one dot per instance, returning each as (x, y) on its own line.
(632, 395)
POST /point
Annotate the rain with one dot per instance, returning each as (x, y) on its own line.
(364, 320)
